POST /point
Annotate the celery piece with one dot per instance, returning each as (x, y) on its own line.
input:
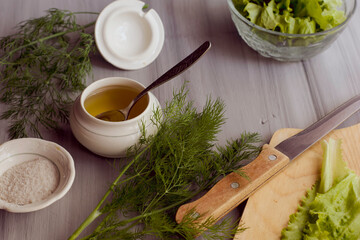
(332, 210)
(333, 167)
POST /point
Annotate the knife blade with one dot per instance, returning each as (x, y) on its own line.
(233, 189)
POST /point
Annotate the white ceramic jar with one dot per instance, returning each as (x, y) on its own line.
(110, 139)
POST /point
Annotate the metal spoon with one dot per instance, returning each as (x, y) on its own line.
(173, 72)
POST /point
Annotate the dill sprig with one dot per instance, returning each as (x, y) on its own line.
(168, 169)
(41, 66)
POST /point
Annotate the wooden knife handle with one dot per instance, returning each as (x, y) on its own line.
(233, 189)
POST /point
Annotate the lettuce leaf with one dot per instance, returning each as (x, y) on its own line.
(253, 11)
(298, 220)
(267, 17)
(331, 209)
(336, 213)
(292, 16)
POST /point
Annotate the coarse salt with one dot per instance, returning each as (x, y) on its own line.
(29, 182)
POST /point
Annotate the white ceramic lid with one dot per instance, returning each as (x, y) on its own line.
(128, 36)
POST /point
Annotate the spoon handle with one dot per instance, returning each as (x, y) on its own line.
(177, 69)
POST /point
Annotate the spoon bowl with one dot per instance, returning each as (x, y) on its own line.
(118, 115)
(112, 115)
(123, 114)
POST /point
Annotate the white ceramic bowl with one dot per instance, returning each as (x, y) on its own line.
(26, 149)
(128, 36)
(110, 139)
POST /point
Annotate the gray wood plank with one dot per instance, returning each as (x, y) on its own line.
(260, 94)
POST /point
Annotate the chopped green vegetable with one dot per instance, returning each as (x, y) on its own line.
(298, 220)
(176, 164)
(292, 16)
(336, 213)
(42, 65)
(331, 209)
(333, 168)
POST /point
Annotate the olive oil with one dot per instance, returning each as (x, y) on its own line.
(115, 97)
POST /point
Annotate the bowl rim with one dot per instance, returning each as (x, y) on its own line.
(291, 35)
(106, 81)
(154, 25)
(69, 173)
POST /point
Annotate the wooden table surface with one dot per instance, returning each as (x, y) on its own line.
(261, 95)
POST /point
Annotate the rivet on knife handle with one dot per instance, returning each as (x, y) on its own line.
(233, 189)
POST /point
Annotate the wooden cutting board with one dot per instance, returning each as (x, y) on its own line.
(268, 209)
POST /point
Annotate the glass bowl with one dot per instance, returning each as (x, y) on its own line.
(288, 47)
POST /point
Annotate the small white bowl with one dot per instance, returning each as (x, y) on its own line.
(110, 139)
(26, 149)
(128, 37)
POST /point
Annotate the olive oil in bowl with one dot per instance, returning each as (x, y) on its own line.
(112, 139)
(115, 97)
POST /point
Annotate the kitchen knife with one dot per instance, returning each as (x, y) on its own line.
(233, 189)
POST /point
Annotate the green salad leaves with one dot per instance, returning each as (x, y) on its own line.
(331, 209)
(292, 16)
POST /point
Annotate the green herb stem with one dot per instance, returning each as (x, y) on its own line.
(93, 215)
(178, 163)
(56, 34)
(41, 67)
(136, 218)
(97, 212)
(45, 39)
